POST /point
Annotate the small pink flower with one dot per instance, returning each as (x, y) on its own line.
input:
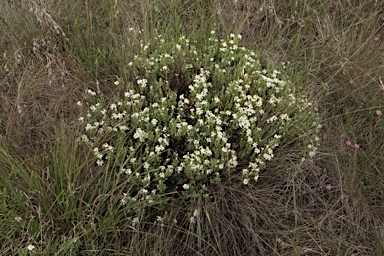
(174, 221)
(348, 143)
(351, 81)
(328, 187)
(378, 112)
(357, 146)
(376, 39)
(162, 225)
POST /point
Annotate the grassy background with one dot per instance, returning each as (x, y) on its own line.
(53, 50)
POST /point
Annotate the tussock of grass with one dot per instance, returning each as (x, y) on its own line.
(52, 197)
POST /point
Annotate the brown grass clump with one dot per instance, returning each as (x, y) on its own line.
(41, 81)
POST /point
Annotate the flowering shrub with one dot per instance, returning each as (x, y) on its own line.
(193, 116)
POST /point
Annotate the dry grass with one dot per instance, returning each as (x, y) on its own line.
(52, 51)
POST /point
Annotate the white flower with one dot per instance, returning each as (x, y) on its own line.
(142, 82)
(185, 186)
(154, 121)
(159, 148)
(147, 178)
(135, 220)
(31, 247)
(117, 116)
(93, 108)
(246, 181)
(271, 119)
(127, 171)
(90, 92)
(123, 128)
(107, 147)
(140, 134)
(267, 156)
(285, 117)
(233, 161)
(113, 106)
(277, 136)
(123, 200)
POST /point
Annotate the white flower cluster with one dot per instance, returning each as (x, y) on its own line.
(223, 115)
